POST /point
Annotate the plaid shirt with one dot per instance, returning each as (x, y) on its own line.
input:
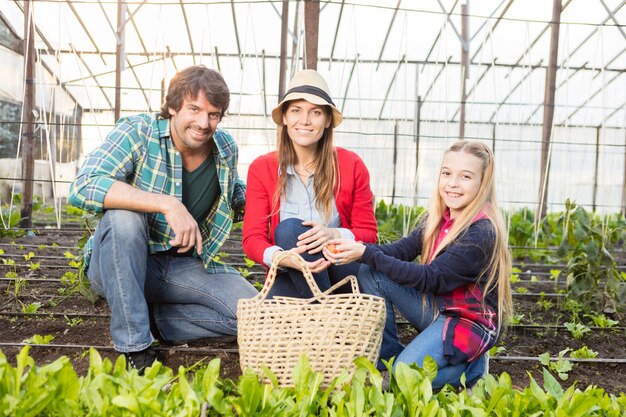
(140, 152)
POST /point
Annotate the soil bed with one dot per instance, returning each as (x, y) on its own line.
(76, 321)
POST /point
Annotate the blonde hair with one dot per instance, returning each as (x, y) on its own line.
(326, 177)
(498, 268)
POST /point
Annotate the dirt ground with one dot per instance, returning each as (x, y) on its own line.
(73, 320)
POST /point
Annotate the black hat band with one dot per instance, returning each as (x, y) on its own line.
(309, 89)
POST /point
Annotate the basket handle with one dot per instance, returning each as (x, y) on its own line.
(308, 276)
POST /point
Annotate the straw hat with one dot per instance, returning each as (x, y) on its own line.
(310, 86)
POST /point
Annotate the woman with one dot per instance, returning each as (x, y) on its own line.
(307, 191)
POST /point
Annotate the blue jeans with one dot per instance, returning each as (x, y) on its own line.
(187, 302)
(420, 312)
(290, 282)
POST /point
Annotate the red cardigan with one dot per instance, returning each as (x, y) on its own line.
(354, 201)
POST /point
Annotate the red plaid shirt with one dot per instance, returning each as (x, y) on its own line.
(470, 328)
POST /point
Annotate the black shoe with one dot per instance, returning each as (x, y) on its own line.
(140, 360)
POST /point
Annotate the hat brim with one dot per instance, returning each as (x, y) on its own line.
(277, 113)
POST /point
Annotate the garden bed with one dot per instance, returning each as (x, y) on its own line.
(43, 304)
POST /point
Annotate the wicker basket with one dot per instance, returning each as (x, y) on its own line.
(332, 329)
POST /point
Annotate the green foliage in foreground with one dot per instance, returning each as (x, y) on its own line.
(109, 390)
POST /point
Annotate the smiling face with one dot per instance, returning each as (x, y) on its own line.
(192, 126)
(459, 180)
(305, 123)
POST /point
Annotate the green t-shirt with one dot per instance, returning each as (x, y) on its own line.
(201, 189)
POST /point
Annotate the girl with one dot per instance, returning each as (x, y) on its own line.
(459, 295)
(307, 192)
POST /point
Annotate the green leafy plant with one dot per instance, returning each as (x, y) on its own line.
(72, 321)
(583, 353)
(602, 320)
(591, 271)
(39, 340)
(577, 330)
(30, 308)
(544, 303)
(561, 366)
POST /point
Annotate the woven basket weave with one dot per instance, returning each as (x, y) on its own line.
(332, 329)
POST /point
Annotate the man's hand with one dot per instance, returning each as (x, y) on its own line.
(186, 230)
(314, 239)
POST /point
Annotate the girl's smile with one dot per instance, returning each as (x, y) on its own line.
(459, 180)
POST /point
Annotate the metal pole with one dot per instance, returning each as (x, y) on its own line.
(548, 109)
(311, 30)
(464, 67)
(624, 183)
(416, 127)
(28, 118)
(284, 27)
(395, 160)
(119, 55)
(595, 173)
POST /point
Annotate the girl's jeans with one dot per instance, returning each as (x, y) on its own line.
(187, 301)
(419, 311)
(290, 282)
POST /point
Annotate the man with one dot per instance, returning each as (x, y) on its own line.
(167, 185)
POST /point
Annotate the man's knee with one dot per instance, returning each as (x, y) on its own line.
(124, 224)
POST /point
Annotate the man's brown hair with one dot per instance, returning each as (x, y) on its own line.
(189, 82)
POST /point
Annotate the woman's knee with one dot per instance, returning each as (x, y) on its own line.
(287, 232)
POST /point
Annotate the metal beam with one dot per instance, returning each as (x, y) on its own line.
(39, 32)
(120, 45)
(85, 29)
(613, 113)
(311, 31)
(532, 68)
(464, 67)
(471, 91)
(598, 91)
(393, 80)
(557, 87)
(593, 32)
(332, 50)
(544, 30)
(28, 118)
(282, 74)
(613, 18)
(188, 29)
(263, 85)
(432, 47)
(345, 92)
(95, 79)
(490, 33)
(382, 48)
(610, 62)
(548, 111)
(232, 8)
(432, 84)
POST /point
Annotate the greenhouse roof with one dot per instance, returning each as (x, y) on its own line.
(383, 59)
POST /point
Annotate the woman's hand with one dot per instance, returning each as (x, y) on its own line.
(314, 239)
(315, 266)
(343, 251)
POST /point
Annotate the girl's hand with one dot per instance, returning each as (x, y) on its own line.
(343, 251)
(314, 239)
(315, 267)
